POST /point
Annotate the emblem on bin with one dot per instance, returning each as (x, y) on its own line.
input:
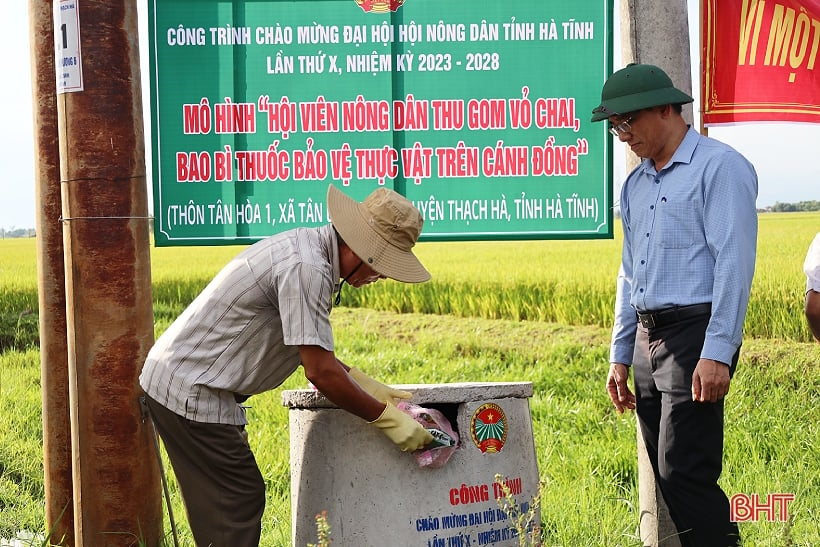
(488, 428)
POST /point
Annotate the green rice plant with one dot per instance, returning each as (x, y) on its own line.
(565, 281)
(180, 274)
(777, 298)
(19, 264)
(570, 282)
(18, 293)
(573, 282)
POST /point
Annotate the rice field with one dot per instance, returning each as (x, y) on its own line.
(569, 282)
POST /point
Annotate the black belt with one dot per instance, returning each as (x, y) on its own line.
(668, 316)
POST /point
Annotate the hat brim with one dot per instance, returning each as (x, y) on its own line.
(348, 216)
(638, 101)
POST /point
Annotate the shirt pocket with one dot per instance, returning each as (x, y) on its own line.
(678, 223)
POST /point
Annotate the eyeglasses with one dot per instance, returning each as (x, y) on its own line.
(622, 127)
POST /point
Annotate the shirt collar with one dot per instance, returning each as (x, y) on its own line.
(332, 252)
(686, 149)
(683, 154)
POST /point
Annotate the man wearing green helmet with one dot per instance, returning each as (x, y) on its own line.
(690, 236)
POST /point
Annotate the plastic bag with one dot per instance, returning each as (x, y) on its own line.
(435, 455)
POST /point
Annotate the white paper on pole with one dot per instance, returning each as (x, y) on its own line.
(68, 61)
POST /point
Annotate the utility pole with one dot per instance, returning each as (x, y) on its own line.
(108, 277)
(656, 33)
(59, 509)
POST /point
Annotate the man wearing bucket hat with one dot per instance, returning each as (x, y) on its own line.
(690, 236)
(262, 316)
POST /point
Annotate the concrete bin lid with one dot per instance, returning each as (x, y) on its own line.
(454, 393)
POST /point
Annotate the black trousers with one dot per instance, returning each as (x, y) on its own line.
(223, 490)
(684, 439)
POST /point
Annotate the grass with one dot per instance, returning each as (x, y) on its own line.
(21, 466)
(585, 451)
(467, 325)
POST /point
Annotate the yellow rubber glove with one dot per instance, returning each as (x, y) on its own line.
(403, 430)
(378, 390)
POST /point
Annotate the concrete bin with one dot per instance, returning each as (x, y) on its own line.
(375, 495)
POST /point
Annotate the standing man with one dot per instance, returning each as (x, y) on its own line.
(262, 316)
(811, 267)
(690, 232)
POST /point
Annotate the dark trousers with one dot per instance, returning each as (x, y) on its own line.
(684, 439)
(221, 485)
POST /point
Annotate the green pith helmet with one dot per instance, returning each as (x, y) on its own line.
(636, 87)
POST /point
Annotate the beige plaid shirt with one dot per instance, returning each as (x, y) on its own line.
(241, 334)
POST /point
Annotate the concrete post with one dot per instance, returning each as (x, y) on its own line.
(51, 280)
(656, 526)
(656, 33)
(108, 283)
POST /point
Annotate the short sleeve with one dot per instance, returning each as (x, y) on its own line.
(811, 266)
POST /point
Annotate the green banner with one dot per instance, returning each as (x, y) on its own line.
(477, 112)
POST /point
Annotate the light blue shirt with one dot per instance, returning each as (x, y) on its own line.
(690, 236)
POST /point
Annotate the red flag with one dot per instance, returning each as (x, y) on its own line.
(760, 61)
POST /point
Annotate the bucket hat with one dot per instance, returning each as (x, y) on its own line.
(382, 231)
(635, 87)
